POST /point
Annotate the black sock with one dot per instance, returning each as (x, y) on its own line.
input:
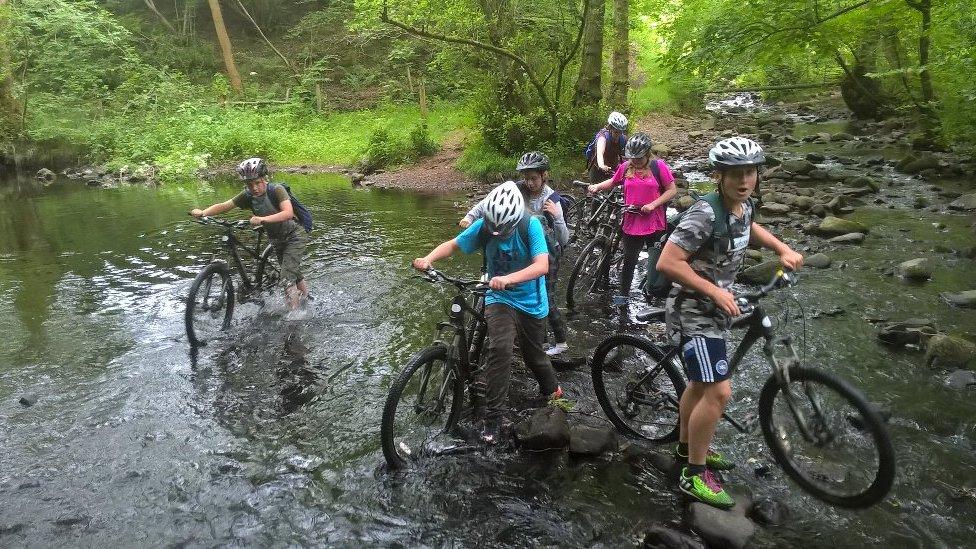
(683, 448)
(695, 470)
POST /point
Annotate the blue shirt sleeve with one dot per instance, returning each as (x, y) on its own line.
(468, 239)
(537, 238)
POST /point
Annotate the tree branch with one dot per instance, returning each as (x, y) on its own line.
(540, 90)
(808, 26)
(261, 32)
(152, 6)
(571, 54)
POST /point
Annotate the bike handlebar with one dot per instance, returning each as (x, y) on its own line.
(240, 224)
(579, 183)
(434, 276)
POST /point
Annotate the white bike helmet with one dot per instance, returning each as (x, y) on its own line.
(736, 151)
(504, 208)
(617, 121)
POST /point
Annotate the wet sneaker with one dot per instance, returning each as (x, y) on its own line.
(705, 488)
(556, 399)
(713, 460)
(557, 349)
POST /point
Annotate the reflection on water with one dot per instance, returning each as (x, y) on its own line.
(269, 436)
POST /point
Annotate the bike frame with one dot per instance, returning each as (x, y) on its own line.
(230, 243)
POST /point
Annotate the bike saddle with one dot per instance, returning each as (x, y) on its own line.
(654, 314)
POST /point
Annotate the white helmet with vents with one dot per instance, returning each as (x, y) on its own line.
(736, 151)
(504, 208)
(617, 121)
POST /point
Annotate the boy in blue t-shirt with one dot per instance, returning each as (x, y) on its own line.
(515, 306)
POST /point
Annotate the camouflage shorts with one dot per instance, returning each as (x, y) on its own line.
(689, 317)
(290, 252)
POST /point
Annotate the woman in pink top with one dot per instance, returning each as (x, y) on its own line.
(650, 188)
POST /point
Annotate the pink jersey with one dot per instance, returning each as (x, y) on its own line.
(640, 190)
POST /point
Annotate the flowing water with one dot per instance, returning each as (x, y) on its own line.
(270, 435)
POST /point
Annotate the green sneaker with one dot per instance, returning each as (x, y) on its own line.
(556, 399)
(705, 488)
(714, 460)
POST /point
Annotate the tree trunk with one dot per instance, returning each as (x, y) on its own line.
(225, 47)
(10, 109)
(924, 40)
(620, 71)
(589, 86)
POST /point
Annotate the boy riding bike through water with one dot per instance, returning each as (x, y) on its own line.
(276, 214)
(515, 306)
(700, 306)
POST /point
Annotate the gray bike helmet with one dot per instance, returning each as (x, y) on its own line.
(533, 160)
(638, 146)
(736, 151)
(252, 168)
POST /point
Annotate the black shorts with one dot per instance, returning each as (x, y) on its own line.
(705, 359)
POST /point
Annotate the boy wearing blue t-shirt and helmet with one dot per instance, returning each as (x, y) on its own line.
(515, 306)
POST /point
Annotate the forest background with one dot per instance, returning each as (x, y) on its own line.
(181, 85)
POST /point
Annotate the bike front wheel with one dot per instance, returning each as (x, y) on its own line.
(585, 277)
(210, 304)
(638, 386)
(828, 438)
(268, 273)
(422, 407)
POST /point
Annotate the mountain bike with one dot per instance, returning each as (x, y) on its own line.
(821, 430)
(591, 272)
(427, 400)
(210, 302)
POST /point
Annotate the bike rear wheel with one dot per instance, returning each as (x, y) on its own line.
(848, 459)
(637, 388)
(210, 304)
(423, 406)
(585, 277)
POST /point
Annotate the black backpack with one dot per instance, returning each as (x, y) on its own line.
(548, 229)
(655, 283)
(301, 212)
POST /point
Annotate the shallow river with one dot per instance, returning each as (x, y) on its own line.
(271, 435)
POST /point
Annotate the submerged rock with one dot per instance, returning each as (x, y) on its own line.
(770, 512)
(916, 269)
(965, 299)
(760, 274)
(961, 379)
(591, 441)
(966, 202)
(44, 174)
(28, 400)
(913, 331)
(546, 429)
(720, 528)
(659, 537)
(946, 351)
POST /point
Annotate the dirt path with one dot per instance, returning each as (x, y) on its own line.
(435, 173)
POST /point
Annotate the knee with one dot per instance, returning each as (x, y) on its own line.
(720, 394)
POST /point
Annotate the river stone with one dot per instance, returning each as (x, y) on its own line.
(546, 429)
(842, 136)
(965, 299)
(720, 528)
(804, 203)
(946, 351)
(912, 164)
(913, 331)
(966, 202)
(661, 149)
(45, 174)
(769, 511)
(28, 400)
(849, 238)
(815, 157)
(774, 208)
(835, 226)
(660, 537)
(864, 181)
(818, 261)
(916, 269)
(961, 379)
(591, 441)
(798, 166)
(818, 175)
(760, 274)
